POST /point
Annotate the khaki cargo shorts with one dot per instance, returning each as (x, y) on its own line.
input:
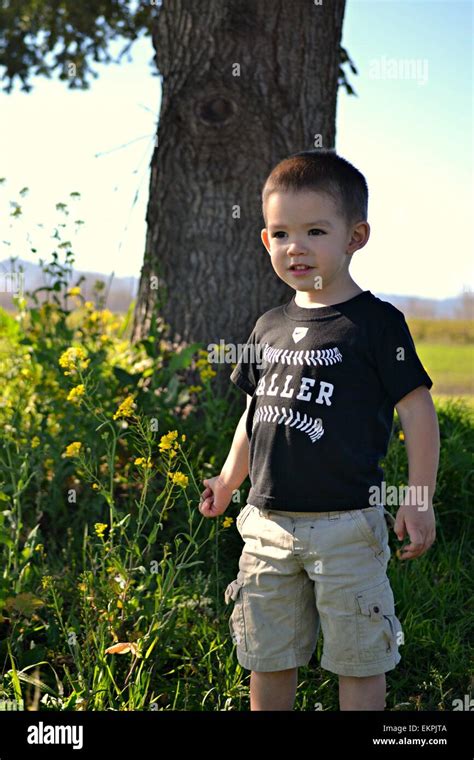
(302, 572)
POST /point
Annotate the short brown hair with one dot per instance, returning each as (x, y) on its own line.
(324, 171)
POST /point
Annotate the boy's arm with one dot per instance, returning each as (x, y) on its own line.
(416, 516)
(218, 492)
(235, 468)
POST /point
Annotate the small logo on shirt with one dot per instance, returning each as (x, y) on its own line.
(299, 333)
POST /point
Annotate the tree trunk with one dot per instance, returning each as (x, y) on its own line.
(245, 83)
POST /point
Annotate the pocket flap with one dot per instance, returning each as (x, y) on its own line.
(376, 601)
(232, 591)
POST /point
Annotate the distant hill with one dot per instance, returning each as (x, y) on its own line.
(121, 291)
(461, 307)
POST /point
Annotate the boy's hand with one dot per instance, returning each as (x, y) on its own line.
(215, 498)
(421, 528)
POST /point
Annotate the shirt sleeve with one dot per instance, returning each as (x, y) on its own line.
(399, 367)
(246, 373)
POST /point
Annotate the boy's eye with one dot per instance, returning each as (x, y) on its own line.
(314, 229)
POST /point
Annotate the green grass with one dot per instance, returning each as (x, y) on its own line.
(451, 367)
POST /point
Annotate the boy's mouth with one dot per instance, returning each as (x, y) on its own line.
(299, 268)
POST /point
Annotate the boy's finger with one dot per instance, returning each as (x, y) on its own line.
(210, 511)
(410, 551)
(399, 528)
(416, 535)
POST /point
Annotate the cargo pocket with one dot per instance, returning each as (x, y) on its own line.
(376, 623)
(235, 593)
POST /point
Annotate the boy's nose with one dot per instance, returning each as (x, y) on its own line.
(296, 251)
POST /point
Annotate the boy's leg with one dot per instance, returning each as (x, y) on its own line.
(347, 558)
(275, 690)
(362, 692)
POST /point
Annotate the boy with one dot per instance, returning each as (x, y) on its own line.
(322, 375)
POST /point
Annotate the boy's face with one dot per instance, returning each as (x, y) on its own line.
(304, 227)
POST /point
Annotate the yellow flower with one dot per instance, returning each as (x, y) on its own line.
(401, 436)
(207, 373)
(74, 291)
(195, 388)
(179, 478)
(35, 442)
(227, 522)
(95, 486)
(126, 408)
(48, 463)
(168, 441)
(46, 581)
(72, 359)
(76, 393)
(100, 528)
(73, 449)
(141, 461)
(183, 437)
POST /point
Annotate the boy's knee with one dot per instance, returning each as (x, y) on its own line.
(361, 679)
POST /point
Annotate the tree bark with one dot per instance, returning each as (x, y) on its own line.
(245, 83)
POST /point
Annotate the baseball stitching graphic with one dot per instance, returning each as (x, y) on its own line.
(312, 426)
(323, 356)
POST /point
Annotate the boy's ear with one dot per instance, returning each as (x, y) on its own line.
(360, 237)
(265, 239)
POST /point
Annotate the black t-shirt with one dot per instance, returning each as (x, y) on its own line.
(324, 383)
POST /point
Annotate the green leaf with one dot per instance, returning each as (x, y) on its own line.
(183, 359)
(125, 378)
(154, 532)
(5, 538)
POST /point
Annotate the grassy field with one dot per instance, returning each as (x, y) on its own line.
(450, 366)
(446, 348)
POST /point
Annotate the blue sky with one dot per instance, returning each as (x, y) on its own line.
(409, 131)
